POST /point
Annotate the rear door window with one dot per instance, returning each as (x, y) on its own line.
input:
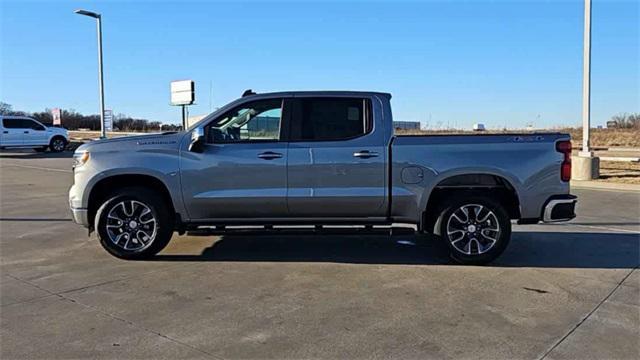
(329, 119)
(12, 123)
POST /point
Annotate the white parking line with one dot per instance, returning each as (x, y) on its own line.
(603, 228)
(37, 167)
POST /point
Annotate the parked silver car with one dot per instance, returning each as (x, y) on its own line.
(319, 158)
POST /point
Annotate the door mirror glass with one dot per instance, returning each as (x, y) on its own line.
(197, 139)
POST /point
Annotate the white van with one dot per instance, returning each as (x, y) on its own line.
(25, 132)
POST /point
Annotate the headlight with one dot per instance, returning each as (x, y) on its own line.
(80, 158)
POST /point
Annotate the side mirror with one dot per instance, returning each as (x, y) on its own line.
(197, 139)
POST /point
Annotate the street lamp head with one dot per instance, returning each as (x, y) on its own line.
(87, 13)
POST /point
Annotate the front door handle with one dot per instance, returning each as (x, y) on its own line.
(5, 132)
(269, 155)
(365, 154)
(26, 132)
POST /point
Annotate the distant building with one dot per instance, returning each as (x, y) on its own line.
(407, 125)
(478, 127)
(612, 124)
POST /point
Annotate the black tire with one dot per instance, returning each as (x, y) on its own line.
(480, 249)
(117, 247)
(57, 144)
(40, 149)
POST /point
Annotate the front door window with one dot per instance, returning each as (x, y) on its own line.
(257, 121)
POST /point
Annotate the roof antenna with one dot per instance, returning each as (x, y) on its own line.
(248, 92)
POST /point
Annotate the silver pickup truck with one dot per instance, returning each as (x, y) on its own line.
(318, 158)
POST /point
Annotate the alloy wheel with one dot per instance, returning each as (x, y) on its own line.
(58, 145)
(473, 229)
(131, 225)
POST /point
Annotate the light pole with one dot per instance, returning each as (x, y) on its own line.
(98, 18)
(585, 165)
(586, 81)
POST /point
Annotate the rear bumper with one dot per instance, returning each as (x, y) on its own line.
(560, 208)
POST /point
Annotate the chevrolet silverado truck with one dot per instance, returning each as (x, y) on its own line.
(318, 158)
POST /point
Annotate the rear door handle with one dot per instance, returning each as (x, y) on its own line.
(26, 132)
(269, 155)
(5, 132)
(365, 154)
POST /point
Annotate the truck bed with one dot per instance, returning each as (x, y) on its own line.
(528, 162)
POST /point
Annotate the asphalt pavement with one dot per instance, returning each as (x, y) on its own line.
(562, 291)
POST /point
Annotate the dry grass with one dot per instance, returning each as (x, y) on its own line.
(89, 135)
(608, 137)
(620, 172)
(599, 137)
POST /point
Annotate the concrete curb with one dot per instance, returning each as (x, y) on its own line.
(601, 185)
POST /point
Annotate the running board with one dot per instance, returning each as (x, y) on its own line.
(270, 230)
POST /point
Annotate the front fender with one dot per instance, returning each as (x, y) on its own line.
(160, 165)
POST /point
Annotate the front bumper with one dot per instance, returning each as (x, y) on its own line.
(80, 216)
(560, 208)
(78, 212)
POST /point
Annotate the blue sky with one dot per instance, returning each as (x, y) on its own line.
(445, 62)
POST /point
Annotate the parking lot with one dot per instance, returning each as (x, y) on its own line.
(559, 291)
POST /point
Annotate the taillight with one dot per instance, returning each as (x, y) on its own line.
(565, 169)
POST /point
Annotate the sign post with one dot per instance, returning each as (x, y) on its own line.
(183, 93)
(56, 113)
(108, 120)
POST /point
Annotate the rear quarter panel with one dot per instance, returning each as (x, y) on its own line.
(530, 163)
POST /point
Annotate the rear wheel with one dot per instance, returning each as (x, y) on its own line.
(57, 144)
(476, 229)
(134, 224)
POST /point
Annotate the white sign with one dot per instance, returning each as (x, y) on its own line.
(57, 116)
(108, 120)
(183, 92)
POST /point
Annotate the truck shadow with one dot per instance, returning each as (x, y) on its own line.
(527, 249)
(26, 154)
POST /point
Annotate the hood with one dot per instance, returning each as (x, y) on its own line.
(137, 142)
(56, 129)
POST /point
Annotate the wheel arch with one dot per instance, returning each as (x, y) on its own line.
(101, 190)
(497, 186)
(53, 136)
(57, 136)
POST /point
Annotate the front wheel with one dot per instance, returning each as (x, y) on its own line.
(57, 144)
(134, 224)
(476, 229)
